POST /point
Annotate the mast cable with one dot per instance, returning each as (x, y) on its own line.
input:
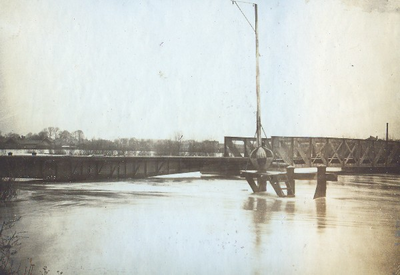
(262, 128)
(244, 15)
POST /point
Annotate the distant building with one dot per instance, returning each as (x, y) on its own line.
(10, 143)
(13, 143)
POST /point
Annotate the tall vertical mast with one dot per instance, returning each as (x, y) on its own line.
(255, 29)
(259, 141)
(260, 157)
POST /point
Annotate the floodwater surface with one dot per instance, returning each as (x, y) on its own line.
(209, 226)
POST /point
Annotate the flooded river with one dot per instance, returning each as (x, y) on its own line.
(209, 226)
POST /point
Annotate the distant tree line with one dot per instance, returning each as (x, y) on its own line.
(54, 134)
(63, 139)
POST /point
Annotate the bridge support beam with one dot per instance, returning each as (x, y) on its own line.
(262, 184)
(258, 181)
(282, 181)
(320, 191)
(291, 180)
(252, 183)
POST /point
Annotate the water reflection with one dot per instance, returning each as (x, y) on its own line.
(320, 205)
(262, 214)
(259, 208)
(263, 211)
(290, 207)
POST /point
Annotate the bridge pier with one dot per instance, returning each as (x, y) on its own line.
(258, 181)
(292, 181)
(320, 191)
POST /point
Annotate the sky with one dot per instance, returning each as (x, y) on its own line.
(151, 69)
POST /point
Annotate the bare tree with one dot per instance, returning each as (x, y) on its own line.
(53, 132)
(43, 134)
(13, 135)
(65, 137)
(79, 136)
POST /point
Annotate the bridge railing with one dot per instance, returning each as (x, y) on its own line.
(315, 151)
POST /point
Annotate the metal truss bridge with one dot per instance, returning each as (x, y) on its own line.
(348, 154)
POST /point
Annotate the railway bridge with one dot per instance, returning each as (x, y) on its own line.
(316, 151)
(348, 154)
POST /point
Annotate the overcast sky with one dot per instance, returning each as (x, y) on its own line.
(149, 69)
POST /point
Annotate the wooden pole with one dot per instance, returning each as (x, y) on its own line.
(259, 141)
(225, 148)
(320, 191)
(262, 183)
(246, 153)
(387, 131)
(252, 183)
(292, 183)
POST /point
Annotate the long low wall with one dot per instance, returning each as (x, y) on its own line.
(74, 168)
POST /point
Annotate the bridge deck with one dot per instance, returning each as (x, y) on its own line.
(74, 168)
